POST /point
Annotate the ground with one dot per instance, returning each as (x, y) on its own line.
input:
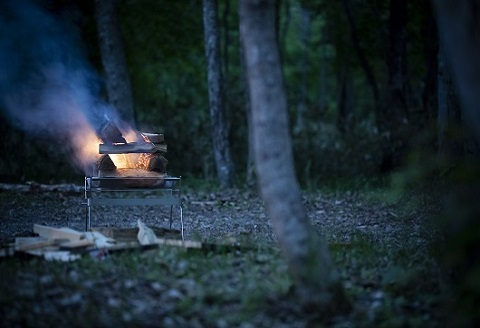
(381, 248)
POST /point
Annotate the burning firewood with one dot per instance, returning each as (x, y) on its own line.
(110, 133)
(132, 147)
(152, 162)
(155, 138)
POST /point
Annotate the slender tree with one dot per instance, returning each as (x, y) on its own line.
(317, 282)
(459, 28)
(119, 90)
(221, 145)
(395, 113)
(449, 113)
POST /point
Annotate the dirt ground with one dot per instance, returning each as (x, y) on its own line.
(373, 240)
(208, 216)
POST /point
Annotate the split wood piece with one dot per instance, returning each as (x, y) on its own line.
(152, 162)
(77, 244)
(69, 238)
(153, 137)
(57, 233)
(106, 164)
(30, 243)
(132, 147)
(147, 237)
(130, 234)
(110, 133)
(99, 240)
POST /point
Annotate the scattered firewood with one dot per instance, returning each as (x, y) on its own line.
(58, 233)
(29, 243)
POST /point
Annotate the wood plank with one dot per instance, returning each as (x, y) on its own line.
(99, 240)
(154, 137)
(57, 233)
(132, 147)
(30, 243)
(77, 244)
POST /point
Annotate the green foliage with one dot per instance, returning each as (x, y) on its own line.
(164, 47)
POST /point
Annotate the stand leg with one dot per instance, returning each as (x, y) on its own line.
(88, 218)
(181, 222)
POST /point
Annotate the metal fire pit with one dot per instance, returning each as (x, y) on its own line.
(131, 191)
(139, 181)
(161, 190)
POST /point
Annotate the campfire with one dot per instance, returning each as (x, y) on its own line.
(132, 167)
(142, 157)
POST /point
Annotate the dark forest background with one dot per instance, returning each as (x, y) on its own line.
(368, 90)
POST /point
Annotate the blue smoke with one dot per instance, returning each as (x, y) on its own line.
(47, 87)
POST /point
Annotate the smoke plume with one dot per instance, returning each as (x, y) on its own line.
(47, 87)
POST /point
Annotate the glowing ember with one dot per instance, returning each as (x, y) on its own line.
(123, 161)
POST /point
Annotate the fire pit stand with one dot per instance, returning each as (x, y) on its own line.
(127, 191)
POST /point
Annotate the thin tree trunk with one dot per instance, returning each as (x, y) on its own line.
(303, 67)
(449, 113)
(221, 146)
(306, 254)
(395, 123)
(397, 62)
(250, 166)
(345, 101)
(226, 42)
(367, 68)
(458, 26)
(430, 35)
(324, 64)
(119, 90)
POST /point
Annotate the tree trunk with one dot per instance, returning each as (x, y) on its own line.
(397, 62)
(394, 118)
(345, 99)
(458, 26)
(430, 35)
(305, 31)
(221, 146)
(367, 68)
(307, 256)
(449, 112)
(119, 90)
(283, 30)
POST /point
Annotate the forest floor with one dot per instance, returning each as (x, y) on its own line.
(382, 250)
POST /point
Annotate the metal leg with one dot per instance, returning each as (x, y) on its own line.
(171, 216)
(181, 222)
(88, 214)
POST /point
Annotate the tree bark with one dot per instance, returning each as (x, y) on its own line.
(449, 113)
(394, 116)
(397, 62)
(430, 35)
(365, 64)
(221, 146)
(305, 31)
(317, 282)
(459, 27)
(345, 98)
(119, 90)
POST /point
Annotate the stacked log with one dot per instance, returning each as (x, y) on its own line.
(149, 156)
